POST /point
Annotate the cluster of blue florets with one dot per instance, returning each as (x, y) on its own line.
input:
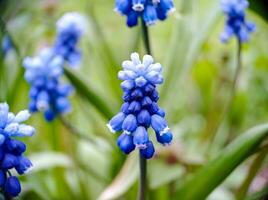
(149, 10)
(6, 45)
(140, 109)
(44, 72)
(70, 28)
(48, 94)
(11, 150)
(236, 24)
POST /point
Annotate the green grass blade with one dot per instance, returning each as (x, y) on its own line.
(89, 94)
(201, 184)
(123, 181)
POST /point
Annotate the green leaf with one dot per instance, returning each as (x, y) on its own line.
(201, 184)
(184, 52)
(123, 181)
(260, 7)
(89, 94)
(48, 160)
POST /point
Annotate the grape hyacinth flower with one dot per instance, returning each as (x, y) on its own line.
(149, 10)
(6, 45)
(11, 150)
(140, 110)
(236, 24)
(47, 93)
(70, 27)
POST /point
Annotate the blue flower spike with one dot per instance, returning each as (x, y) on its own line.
(11, 150)
(48, 94)
(6, 45)
(236, 24)
(149, 10)
(70, 28)
(140, 110)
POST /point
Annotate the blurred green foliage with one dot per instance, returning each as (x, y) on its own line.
(198, 72)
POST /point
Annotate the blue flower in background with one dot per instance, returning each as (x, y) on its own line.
(70, 28)
(6, 45)
(11, 150)
(140, 110)
(149, 10)
(236, 24)
(47, 93)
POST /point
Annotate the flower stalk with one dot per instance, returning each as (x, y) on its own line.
(142, 160)
(232, 91)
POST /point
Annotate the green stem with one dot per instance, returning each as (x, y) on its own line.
(232, 93)
(143, 161)
(146, 39)
(143, 182)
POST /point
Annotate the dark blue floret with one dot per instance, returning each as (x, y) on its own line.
(149, 10)
(12, 186)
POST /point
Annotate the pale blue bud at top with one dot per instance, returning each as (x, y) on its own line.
(127, 85)
(25, 131)
(11, 129)
(22, 116)
(3, 114)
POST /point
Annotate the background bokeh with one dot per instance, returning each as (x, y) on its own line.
(198, 72)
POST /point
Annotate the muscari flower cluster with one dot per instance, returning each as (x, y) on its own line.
(47, 93)
(149, 10)
(6, 45)
(70, 28)
(11, 150)
(43, 72)
(236, 24)
(140, 109)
